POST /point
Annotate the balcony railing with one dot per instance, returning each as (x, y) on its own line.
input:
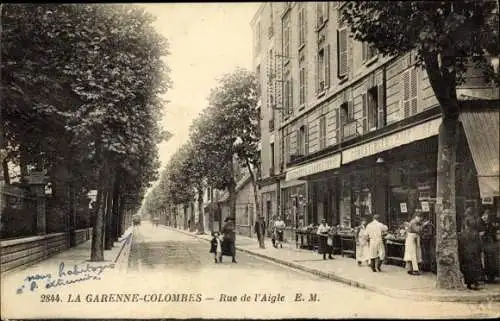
(294, 157)
(350, 129)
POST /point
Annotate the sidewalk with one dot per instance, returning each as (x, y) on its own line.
(392, 281)
(78, 255)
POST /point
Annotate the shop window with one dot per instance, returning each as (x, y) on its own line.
(363, 205)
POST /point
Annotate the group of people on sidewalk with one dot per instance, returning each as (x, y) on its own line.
(276, 229)
(477, 249)
(477, 243)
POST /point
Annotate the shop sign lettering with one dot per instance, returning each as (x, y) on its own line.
(407, 136)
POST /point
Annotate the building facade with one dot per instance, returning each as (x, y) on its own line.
(346, 132)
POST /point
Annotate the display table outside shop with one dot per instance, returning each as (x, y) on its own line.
(347, 244)
(394, 251)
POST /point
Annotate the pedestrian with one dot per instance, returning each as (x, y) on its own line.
(279, 228)
(299, 227)
(260, 230)
(488, 234)
(413, 249)
(322, 233)
(469, 253)
(230, 237)
(272, 233)
(375, 231)
(216, 247)
(362, 248)
(428, 243)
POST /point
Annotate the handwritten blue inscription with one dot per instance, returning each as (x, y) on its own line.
(64, 276)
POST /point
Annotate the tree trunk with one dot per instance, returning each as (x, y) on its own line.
(232, 200)
(5, 167)
(72, 215)
(448, 268)
(442, 78)
(201, 223)
(115, 207)
(109, 220)
(97, 249)
(255, 190)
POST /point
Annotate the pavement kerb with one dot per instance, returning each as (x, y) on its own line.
(395, 293)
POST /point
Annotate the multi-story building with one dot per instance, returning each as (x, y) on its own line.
(347, 132)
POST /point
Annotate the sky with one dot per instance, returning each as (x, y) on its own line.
(206, 41)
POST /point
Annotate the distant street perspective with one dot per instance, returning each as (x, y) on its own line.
(269, 160)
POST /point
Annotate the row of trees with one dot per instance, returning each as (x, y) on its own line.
(225, 135)
(81, 98)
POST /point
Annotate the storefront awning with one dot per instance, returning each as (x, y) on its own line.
(407, 136)
(324, 164)
(481, 126)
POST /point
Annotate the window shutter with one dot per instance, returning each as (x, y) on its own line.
(338, 125)
(291, 96)
(406, 93)
(363, 51)
(381, 107)
(342, 52)
(327, 66)
(298, 142)
(325, 10)
(316, 72)
(350, 109)
(413, 90)
(306, 140)
(364, 119)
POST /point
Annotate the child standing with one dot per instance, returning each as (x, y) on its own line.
(216, 247)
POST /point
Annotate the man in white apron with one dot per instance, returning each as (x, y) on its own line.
(375, 231)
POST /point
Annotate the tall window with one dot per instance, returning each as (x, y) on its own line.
(257, 37)
(302, 141)
(302, 81)
(410, 92)
(271, 149)
(257, 71)
(368, 52)
(370, 110)
(302, 26)
(322, 132)
(288, 95)
(323, 67)
(270, 30)
(286, 38)
(321, 13)
(342, 48)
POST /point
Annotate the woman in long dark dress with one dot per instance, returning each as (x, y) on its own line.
(469, 253)
(488, 234)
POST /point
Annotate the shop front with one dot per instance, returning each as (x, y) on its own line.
(313, 200)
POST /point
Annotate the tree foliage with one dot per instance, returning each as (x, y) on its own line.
(226, 131)
(81, 88)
